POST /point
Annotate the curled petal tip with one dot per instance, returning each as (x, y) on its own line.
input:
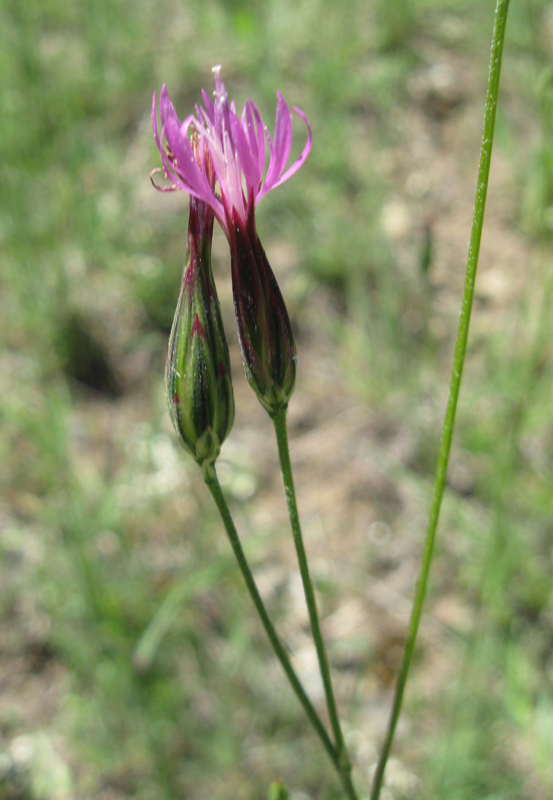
(171, 188)
(303, 117)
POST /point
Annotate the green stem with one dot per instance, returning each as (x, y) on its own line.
(279, 421)
(212, 482)
(455, 383)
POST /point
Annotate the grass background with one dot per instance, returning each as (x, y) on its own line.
(130, 661)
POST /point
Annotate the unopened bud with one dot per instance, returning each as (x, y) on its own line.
(197, 374)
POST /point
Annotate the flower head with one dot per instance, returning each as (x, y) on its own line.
(264, 330)
(231, 148)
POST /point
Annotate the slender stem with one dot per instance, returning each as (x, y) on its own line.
(212, 482)
(455, 383)
(279, 421)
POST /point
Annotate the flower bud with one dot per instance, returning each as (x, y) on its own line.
(197, 374)
(264, 330)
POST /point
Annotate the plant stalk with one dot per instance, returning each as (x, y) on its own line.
(279, 421)
(212, 483)
(498, 39)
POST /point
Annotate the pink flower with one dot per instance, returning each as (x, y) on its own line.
(228, 163)
(230, 148)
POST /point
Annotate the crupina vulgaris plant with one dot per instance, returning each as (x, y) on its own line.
(227, 163)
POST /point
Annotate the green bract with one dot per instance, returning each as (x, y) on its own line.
(197, 374)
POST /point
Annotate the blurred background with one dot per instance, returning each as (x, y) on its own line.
(131, 662)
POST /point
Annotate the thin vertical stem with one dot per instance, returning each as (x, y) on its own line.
(455, 383)
(212, 482)
(279, 421)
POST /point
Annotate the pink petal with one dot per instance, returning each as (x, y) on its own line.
(208, 106)
(253, 127)
(280, 148)
(154, 123)
(297, 164)
(247, 162)
(232, 182)
(192, 178)
(221, 168)
(166, 108)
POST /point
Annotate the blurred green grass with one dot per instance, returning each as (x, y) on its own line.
(106, 532)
